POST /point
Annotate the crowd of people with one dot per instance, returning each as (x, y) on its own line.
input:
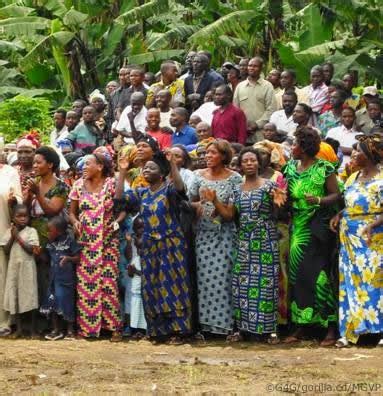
(194, 203)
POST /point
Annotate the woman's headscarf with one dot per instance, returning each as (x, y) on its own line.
(31, 140)
(151, 141)
(274, 149)
(160, 159)
(105, 151)
(372, 146)
(97, 94)
(130, 153)
(326, 152)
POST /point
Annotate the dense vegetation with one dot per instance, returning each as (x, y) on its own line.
(61, 49)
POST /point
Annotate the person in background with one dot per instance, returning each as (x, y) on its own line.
(206, 110)
(302, 115)
(209, 97)
(63, 252)
(368, 94)
(78, 106)
(60, 131)
(153, 119)
(202, 79)
(366, 120)
(183, 161)
(135, 113)
(345, 134)
(352, 100)
(72, 119)
(243, 63)
(85, 137)
(288, 83)
(204, 133)
(255, 97)
(233, 78)
(328, 72)
(149, 79)
(188, 65)
(194, 120)
(170, 82)
(184, 134)
(283, 119)
(21, 244)
(274, 77)
(360, 256)
(229, 122)
(218, 79)
(111, 86)
(214, 239)
(136, 79)
(332, 118)
(92, 215)
(163, 99)
(316, 92)
(313, 190)
(98, 101)
(226, 66)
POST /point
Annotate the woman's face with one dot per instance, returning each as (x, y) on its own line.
(296, 150)
(178, 156)
(144, 152)
(213, 157)
(151, 172)
(98, 104)
(40, 166)
(360, 158)
(234, 165)
(201, 157)
(299, 115)
(25, 156)
(264, 158)
(91, 168)
(249, 164)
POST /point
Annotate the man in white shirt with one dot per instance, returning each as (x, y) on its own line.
(283, 119)
(163, 99)
(60, 131)
(139, 112)
(345, 134)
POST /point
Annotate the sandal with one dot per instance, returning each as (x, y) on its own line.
(236, 337)
(380, 343)
(273, 339)
(199, 337)
(342, 343)
(4, 332)
(54, 336)
(116, 337)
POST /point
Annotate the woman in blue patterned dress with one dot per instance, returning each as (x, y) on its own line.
(361, 246)
(256, 265)
(165, 277)
(214, 240)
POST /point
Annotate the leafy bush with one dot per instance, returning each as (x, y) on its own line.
(22, 114)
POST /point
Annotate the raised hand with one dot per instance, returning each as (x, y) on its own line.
(33, 186)
(279, 196)
(123, 163)
(208, 195)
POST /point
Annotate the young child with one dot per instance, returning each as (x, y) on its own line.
(133, 253)
(63, 253)
(21, 244)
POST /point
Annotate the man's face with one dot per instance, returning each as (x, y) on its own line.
(288, 102)
(123, 76)
(220, 97)
(189, 59)
(316, 77)
(136, 78)
(243, 63)
(254, 68)
(373, 111)
(199, 64)
(59, 120)
(153, 119)
(348, 82)
(336, 99)
(287, 80)
(136, 105)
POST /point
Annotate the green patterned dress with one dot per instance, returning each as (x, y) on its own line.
(312, 300)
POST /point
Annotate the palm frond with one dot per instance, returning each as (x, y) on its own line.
(154, 56)
(19, 26)
(143, 12)
(178, 33)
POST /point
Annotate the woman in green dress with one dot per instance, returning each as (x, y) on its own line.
(313, 190)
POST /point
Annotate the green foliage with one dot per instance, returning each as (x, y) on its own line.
(21, 114)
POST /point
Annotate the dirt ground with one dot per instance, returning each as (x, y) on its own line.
(215, 368)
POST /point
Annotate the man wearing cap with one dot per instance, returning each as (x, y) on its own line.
(371, 116)
(369, 93)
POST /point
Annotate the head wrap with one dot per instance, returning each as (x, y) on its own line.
(160, 159)
(326, 152)
(79, 164)
(31, 139)
(106, 152)
(151, 141)
(129, 152)
(372, 146)
(274, 149)
(97, 94)
(12, 158)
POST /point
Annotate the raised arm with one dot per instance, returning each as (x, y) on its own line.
(174, 172)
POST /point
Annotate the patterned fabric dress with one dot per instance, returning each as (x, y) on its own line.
(98, 303)
(165, 276)
(255, 272)
(214, 255)
(283, 233)
(361, 266)
(311, 246)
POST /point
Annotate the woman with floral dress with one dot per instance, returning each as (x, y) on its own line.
(361, 246)
(94, 221)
